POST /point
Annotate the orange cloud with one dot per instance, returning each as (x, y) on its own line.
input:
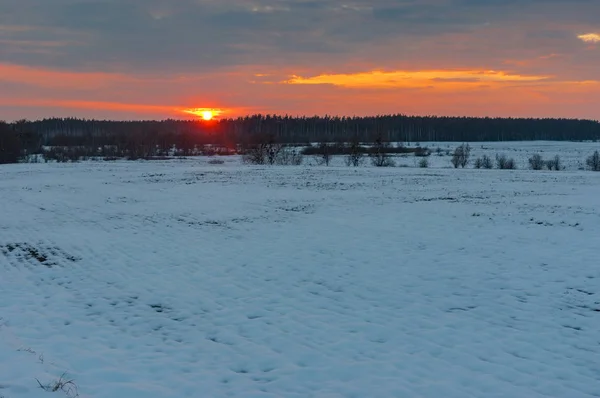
(416, 79)
(590, 37)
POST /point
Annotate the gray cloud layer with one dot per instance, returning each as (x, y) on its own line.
(197, 35)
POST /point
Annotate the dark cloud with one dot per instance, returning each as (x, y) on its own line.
(198, 35)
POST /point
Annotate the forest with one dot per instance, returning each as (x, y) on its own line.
(140, 139)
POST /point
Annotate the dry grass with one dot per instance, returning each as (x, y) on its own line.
(63, 384)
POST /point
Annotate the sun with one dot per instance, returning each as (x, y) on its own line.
(205, 114)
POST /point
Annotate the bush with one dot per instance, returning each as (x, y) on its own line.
(461, 156)
(505, 163)
(424, 163)
(263, 149)
(355, 154)
(325, 155)
(554, 164)
(216, 161)
(536, 162)
(379, 154)
(593, 161)
(484, 162)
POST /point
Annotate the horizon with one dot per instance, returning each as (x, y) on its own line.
(307, 116)
(150, 60)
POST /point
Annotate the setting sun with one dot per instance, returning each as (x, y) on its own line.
(203, 113)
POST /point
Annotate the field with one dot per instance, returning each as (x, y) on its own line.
(184, 279)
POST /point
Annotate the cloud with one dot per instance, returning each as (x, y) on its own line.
(415, 79)
(222, 53)
(590, 37)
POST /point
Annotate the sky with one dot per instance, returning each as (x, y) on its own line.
(157, 59)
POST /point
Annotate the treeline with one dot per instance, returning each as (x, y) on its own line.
(302, 130)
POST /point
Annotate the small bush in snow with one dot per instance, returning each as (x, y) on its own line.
(554, 164)
(505, 163)
(325, 156)
(484, 162)
(262, 149)
(355, 155)
(536, 162)
(379, 154)
(424, 163)
(593, 161)
(216, 161)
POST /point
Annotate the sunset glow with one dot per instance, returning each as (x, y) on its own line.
(203, 113)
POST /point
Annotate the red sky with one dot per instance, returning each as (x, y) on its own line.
(141, 59)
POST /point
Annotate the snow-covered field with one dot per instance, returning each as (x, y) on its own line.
(184, 279)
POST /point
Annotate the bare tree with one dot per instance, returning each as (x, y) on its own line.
(379, 154)
(263, 149)
(355, 153)
(593, 161)
(461, 156)
(536, 162)
(325, 153)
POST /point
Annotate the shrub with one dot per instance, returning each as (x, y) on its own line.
(593, 161)
(487, 162)
(424, 163)
(355, 154)
(326, 152)
(484, 162)
(263, 149)
(379, 154)
(536, 162)
(505, 163)
(554, 164)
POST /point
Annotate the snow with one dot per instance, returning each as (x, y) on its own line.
(184, 279)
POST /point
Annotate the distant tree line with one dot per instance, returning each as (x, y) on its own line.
(300, 130)
(261, 137)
